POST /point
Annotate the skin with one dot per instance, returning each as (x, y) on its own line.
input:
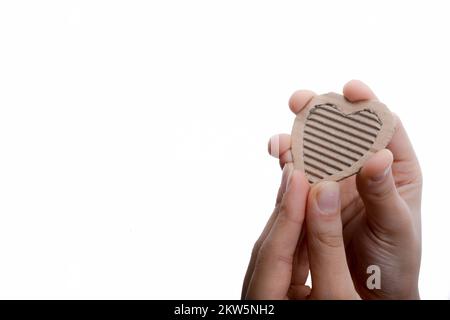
(376, 222)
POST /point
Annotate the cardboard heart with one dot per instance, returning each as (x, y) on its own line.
(332, 137)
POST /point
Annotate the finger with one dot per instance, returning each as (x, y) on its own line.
(356, 90)
(286, 172)
(329, 270)
(403, 151)
(299, 99)
(280, 147)
(386, 211)
(273, 266)
(400, 145)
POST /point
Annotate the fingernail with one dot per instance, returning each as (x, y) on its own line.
(275, 146)
(328, 197)
(380, 177)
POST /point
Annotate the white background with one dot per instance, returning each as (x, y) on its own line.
(133, 134)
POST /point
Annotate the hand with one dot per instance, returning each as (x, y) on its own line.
(279, 264)
(380, 208)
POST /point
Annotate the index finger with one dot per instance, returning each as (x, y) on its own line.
(272, 273)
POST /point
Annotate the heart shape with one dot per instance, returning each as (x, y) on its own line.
(332, 137)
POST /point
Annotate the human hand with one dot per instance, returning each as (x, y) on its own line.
(380, 208)
(279, 264)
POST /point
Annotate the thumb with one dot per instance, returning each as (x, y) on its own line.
(329, 270)
(385, 209)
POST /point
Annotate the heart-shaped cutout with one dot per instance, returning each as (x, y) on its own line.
(332, 137)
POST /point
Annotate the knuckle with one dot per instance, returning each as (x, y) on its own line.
(329, 239)
(283, 208)
(383, 193)
(270, 254)
(265, 251)
(286, 218)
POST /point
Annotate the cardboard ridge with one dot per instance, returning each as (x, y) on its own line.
(333, 137)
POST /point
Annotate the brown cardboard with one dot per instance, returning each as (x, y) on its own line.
(332, 137)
